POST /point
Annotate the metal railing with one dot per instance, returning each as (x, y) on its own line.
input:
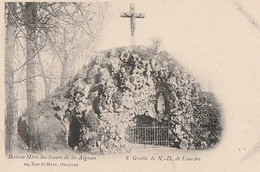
(148, 136)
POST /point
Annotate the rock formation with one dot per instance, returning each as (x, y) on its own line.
(92, 112)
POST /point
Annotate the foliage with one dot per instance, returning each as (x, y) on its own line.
(135, 86)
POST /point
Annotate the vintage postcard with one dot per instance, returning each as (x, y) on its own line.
(130, 86)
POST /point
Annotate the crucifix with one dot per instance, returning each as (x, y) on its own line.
(132, 14)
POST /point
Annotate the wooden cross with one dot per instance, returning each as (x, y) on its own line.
(132, 15)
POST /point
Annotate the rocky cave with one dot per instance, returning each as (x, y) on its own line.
(125, 87)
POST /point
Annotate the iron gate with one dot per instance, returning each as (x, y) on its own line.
(148, 136)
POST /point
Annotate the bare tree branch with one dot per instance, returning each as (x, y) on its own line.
(19, 81)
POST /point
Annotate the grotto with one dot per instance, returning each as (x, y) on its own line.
(122, 87)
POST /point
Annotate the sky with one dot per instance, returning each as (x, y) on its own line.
(215, 42)
(201, 35)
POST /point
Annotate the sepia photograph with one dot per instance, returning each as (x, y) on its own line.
(130, 86)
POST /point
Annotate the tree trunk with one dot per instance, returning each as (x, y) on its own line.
(30, 16)
(11, 105)
(64, 71)
(45, 78)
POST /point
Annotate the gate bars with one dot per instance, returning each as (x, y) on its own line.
(148, 135)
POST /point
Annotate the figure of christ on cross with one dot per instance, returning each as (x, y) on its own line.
(132, 14)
